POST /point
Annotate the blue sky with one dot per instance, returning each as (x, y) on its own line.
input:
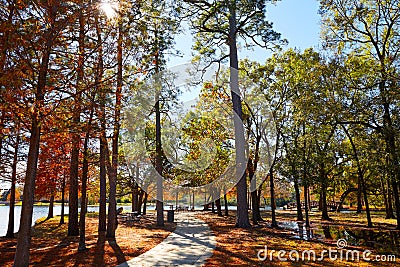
(296, 20)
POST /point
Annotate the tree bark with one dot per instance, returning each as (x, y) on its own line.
(306, 205)
(145, 203)
(272, 192)
(343, 197)
(226, 205)
(21, 257)
(85, 170)
(298, 201)
(112, 175)
(218, 204)
(51, 206)
(390, 201)
(11, 215)
(359, 195)
(242, 216)
(103, 140)
(73, 225)
(324, 206)
(360, 177)
(159, 167)
(62, 200)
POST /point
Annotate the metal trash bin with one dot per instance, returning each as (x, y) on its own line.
(170, 215)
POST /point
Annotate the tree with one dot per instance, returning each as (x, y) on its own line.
(49, 36)
(218, 26)
(370, 30)
(10, 228)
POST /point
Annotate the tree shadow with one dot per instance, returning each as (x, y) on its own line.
(99, 250)
(118, 253)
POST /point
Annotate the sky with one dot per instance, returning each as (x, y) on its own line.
(296, 20)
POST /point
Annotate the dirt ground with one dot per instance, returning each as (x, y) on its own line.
(52, 247)
(240, 247)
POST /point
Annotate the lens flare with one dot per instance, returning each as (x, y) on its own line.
(110, 9)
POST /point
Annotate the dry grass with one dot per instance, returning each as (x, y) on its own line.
(239, 247)
(52, 247)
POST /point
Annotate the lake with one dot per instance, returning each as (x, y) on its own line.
(38, 212)
(42, 211)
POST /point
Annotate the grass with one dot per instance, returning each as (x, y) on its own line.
(52, 247)
(239, 247)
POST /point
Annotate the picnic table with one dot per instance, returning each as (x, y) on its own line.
(131, 216)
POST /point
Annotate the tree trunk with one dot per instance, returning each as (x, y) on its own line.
(324, 206)
(51, 206)
(390, 201)
(145, 203)
(10, 229)
(343, 197)
(159, 167)
(386, 197)
(3, 116)
(62, 200)
(218, 204)
(242, 216)
(298, 201)
(256, 215)
(85, 170)
(306, 205)
(103, 140)
(73, 226)
(21, 257)
(396, 202)
(140, 201)
(112, 175)
(193, 201)
(135, 197)
(158, 159)
(226, 205)
(360, 178)
(359, 195)
(390, 138)
(272, 192)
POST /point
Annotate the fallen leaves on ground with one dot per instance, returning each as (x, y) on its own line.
(239, 247)
(52, 247)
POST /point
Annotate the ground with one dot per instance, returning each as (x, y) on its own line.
(51, 246)
(239, 247)
(235, 246)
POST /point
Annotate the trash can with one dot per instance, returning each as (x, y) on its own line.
(170, 215)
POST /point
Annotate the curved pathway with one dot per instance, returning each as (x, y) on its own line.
(191, 244)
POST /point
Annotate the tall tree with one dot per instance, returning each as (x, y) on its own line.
(73, 225)
(112, 173)
(218, 26)
(10, 228)
(370, 30)
(50, 10)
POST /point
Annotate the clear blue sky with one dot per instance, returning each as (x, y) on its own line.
(296, 20)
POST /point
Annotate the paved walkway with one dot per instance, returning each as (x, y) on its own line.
(191, 244)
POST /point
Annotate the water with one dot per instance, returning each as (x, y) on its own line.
(42, 211)
(380, 240)
(38, 212)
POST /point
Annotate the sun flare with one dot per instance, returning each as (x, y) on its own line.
(109, 8)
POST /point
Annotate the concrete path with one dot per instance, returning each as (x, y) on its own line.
(191, 244)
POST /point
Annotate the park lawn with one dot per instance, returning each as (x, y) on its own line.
(52, 247)
(239, 247)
